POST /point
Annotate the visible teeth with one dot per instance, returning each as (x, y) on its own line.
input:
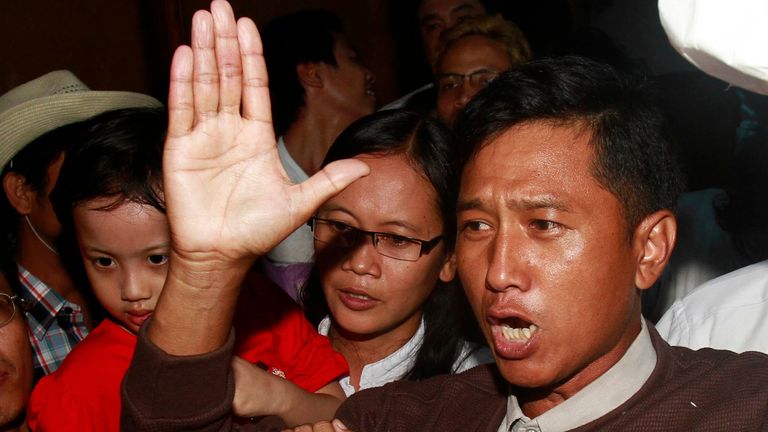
(519, 334)
(359, 296)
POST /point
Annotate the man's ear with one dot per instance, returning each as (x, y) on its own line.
(448, 271)
(310, 75)
(654, 239)
(19, 193)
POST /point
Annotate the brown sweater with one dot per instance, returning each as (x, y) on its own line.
(705, 390)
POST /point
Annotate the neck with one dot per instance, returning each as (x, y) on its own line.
(47, 266)
(535, 402)
(361, 350)
(311, 135)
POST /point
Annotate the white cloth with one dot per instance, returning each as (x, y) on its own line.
(601, 396)
(726, 39)
(730, 312)
(396, 365)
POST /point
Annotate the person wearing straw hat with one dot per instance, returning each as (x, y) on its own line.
(39, 120)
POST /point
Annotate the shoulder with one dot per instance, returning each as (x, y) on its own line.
(472, 355)
(86, 388)
(437, 400)
(107, 349)
(714, 368)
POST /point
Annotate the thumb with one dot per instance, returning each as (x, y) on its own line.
(338, 426)
(329, 181)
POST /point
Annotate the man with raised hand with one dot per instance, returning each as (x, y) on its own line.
(563, 217)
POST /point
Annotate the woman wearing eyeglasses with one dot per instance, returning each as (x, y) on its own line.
(382, 285)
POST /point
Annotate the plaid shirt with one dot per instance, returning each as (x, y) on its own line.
(55, 325)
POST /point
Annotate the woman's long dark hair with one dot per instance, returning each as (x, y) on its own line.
(429, 147)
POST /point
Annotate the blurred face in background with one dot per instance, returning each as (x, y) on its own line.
(437, 16)
(466, 67)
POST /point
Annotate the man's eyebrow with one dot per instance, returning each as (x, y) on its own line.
(546, 202)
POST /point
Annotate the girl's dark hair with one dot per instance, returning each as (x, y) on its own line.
(428, 146)
(119, 156)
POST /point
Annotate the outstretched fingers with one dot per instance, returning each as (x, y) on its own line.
(181, 112)
(256, 105)
(329, 181)
(205, 76)
(227, 51)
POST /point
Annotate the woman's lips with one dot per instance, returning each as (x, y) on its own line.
(357, 300)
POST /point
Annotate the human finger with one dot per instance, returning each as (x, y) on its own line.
(256, 104)
(205, 75)
(338, 426)
(324, 184)
(227, 53)
(180, 107)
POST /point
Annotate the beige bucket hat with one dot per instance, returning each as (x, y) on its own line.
(53, 100)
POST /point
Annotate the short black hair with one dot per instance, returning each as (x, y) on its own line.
(294, 39)
(632, 156)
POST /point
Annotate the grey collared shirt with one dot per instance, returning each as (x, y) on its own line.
(601, 396)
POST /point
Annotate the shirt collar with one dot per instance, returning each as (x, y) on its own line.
(43, 302)
(391, 368)
(601, 396)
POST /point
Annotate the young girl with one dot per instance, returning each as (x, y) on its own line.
(109, 199)
(384, 256)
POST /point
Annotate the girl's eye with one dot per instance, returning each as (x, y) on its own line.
(157, 259)
(103, 262)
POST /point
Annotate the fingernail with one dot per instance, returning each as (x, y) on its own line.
(338, 425)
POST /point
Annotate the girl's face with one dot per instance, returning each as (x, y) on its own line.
(125, 253)
(370, 294)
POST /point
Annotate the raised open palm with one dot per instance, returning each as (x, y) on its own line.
(227, 194)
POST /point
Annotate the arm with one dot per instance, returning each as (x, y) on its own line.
(257, 393)
(229, 200)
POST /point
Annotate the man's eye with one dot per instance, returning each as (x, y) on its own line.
(475, 226)
(430, 27)
(157, 259)
(103, 262)
(448, 85)
(544, 225)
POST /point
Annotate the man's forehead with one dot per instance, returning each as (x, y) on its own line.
(429, 9)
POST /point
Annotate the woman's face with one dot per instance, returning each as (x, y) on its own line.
(370, 294)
